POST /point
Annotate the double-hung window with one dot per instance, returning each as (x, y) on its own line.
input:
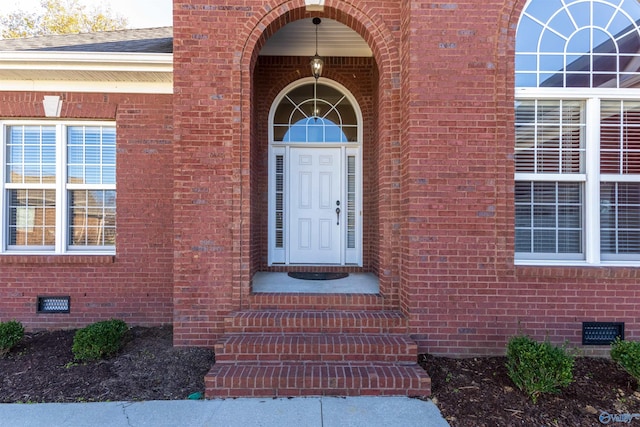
(577, 122)
(59, 188)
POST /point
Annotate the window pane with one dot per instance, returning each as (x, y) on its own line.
(551, 62)
(549, 137)
(548, 218)
(279, 208)
(523, 240)
(580, 42)
(533, 29)
(31, 154)
(544, 241)
(92, 217)
(351, 202)
(91, 155)
(32, 216)
(620, 137)
(569, 241)
(523, 216)
(620, 218)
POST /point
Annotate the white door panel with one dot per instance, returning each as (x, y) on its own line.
(315, 228)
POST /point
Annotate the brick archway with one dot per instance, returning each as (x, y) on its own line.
(383, 114)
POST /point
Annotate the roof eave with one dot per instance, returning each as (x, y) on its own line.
(87, 71)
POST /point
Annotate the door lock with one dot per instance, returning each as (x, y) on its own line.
(338, 212)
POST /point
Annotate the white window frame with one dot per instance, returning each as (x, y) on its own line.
(591, 177)
(62, 187)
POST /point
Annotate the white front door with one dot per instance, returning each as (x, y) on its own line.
(316, 209)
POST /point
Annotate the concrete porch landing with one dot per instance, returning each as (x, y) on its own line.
(356, 283)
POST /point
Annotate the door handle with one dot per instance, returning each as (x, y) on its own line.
(338, 216)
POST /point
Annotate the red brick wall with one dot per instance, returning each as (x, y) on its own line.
(136, 284)
(457, 172)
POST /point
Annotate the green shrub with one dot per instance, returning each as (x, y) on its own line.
(627, 354)
(99, 340)
(538, 368)
(11, 333)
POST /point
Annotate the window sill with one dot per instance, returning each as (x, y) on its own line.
(572, 263)
(57, 259)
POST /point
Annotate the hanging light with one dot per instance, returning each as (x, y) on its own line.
(317, 63)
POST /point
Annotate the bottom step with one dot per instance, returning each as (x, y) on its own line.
(266, 379)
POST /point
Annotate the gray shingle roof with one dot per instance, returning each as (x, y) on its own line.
(145, 40)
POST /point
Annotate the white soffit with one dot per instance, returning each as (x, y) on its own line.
(298, 38)
(82, 71)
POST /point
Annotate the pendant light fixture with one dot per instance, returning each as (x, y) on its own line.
(317, 63)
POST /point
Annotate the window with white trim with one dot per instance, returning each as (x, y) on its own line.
(59, 192)
(577, 121)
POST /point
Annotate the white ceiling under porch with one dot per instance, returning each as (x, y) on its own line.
(298, 39)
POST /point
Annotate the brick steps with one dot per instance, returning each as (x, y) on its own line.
(315, 379)
(316, 347)
(302, 351)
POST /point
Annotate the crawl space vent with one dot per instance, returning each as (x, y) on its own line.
(54, 305)
(601, 333)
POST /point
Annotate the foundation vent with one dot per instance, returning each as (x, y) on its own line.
(54, 304)
(601, 333)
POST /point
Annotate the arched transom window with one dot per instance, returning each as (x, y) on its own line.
(315, 113)
(579, 43)
(577, 152)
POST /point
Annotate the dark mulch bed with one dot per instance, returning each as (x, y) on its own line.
(469, 392)
(477, 392)
(41, 368)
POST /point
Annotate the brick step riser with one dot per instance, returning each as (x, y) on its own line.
(319, 357)
(214, 392)
(323, 348)
(297, 326)
(316, 302)
(321, 322)
(381, 329)
(292, 382)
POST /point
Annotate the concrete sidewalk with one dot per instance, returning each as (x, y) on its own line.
(245, 412)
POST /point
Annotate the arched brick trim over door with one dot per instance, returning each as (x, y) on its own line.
(364, 18)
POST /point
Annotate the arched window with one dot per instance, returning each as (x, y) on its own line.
(315, 113)
(577, 153)
(579, 43)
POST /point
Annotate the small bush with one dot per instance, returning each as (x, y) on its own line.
(538, 368)
(11, 333)
(627, 354)
(99, 340)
